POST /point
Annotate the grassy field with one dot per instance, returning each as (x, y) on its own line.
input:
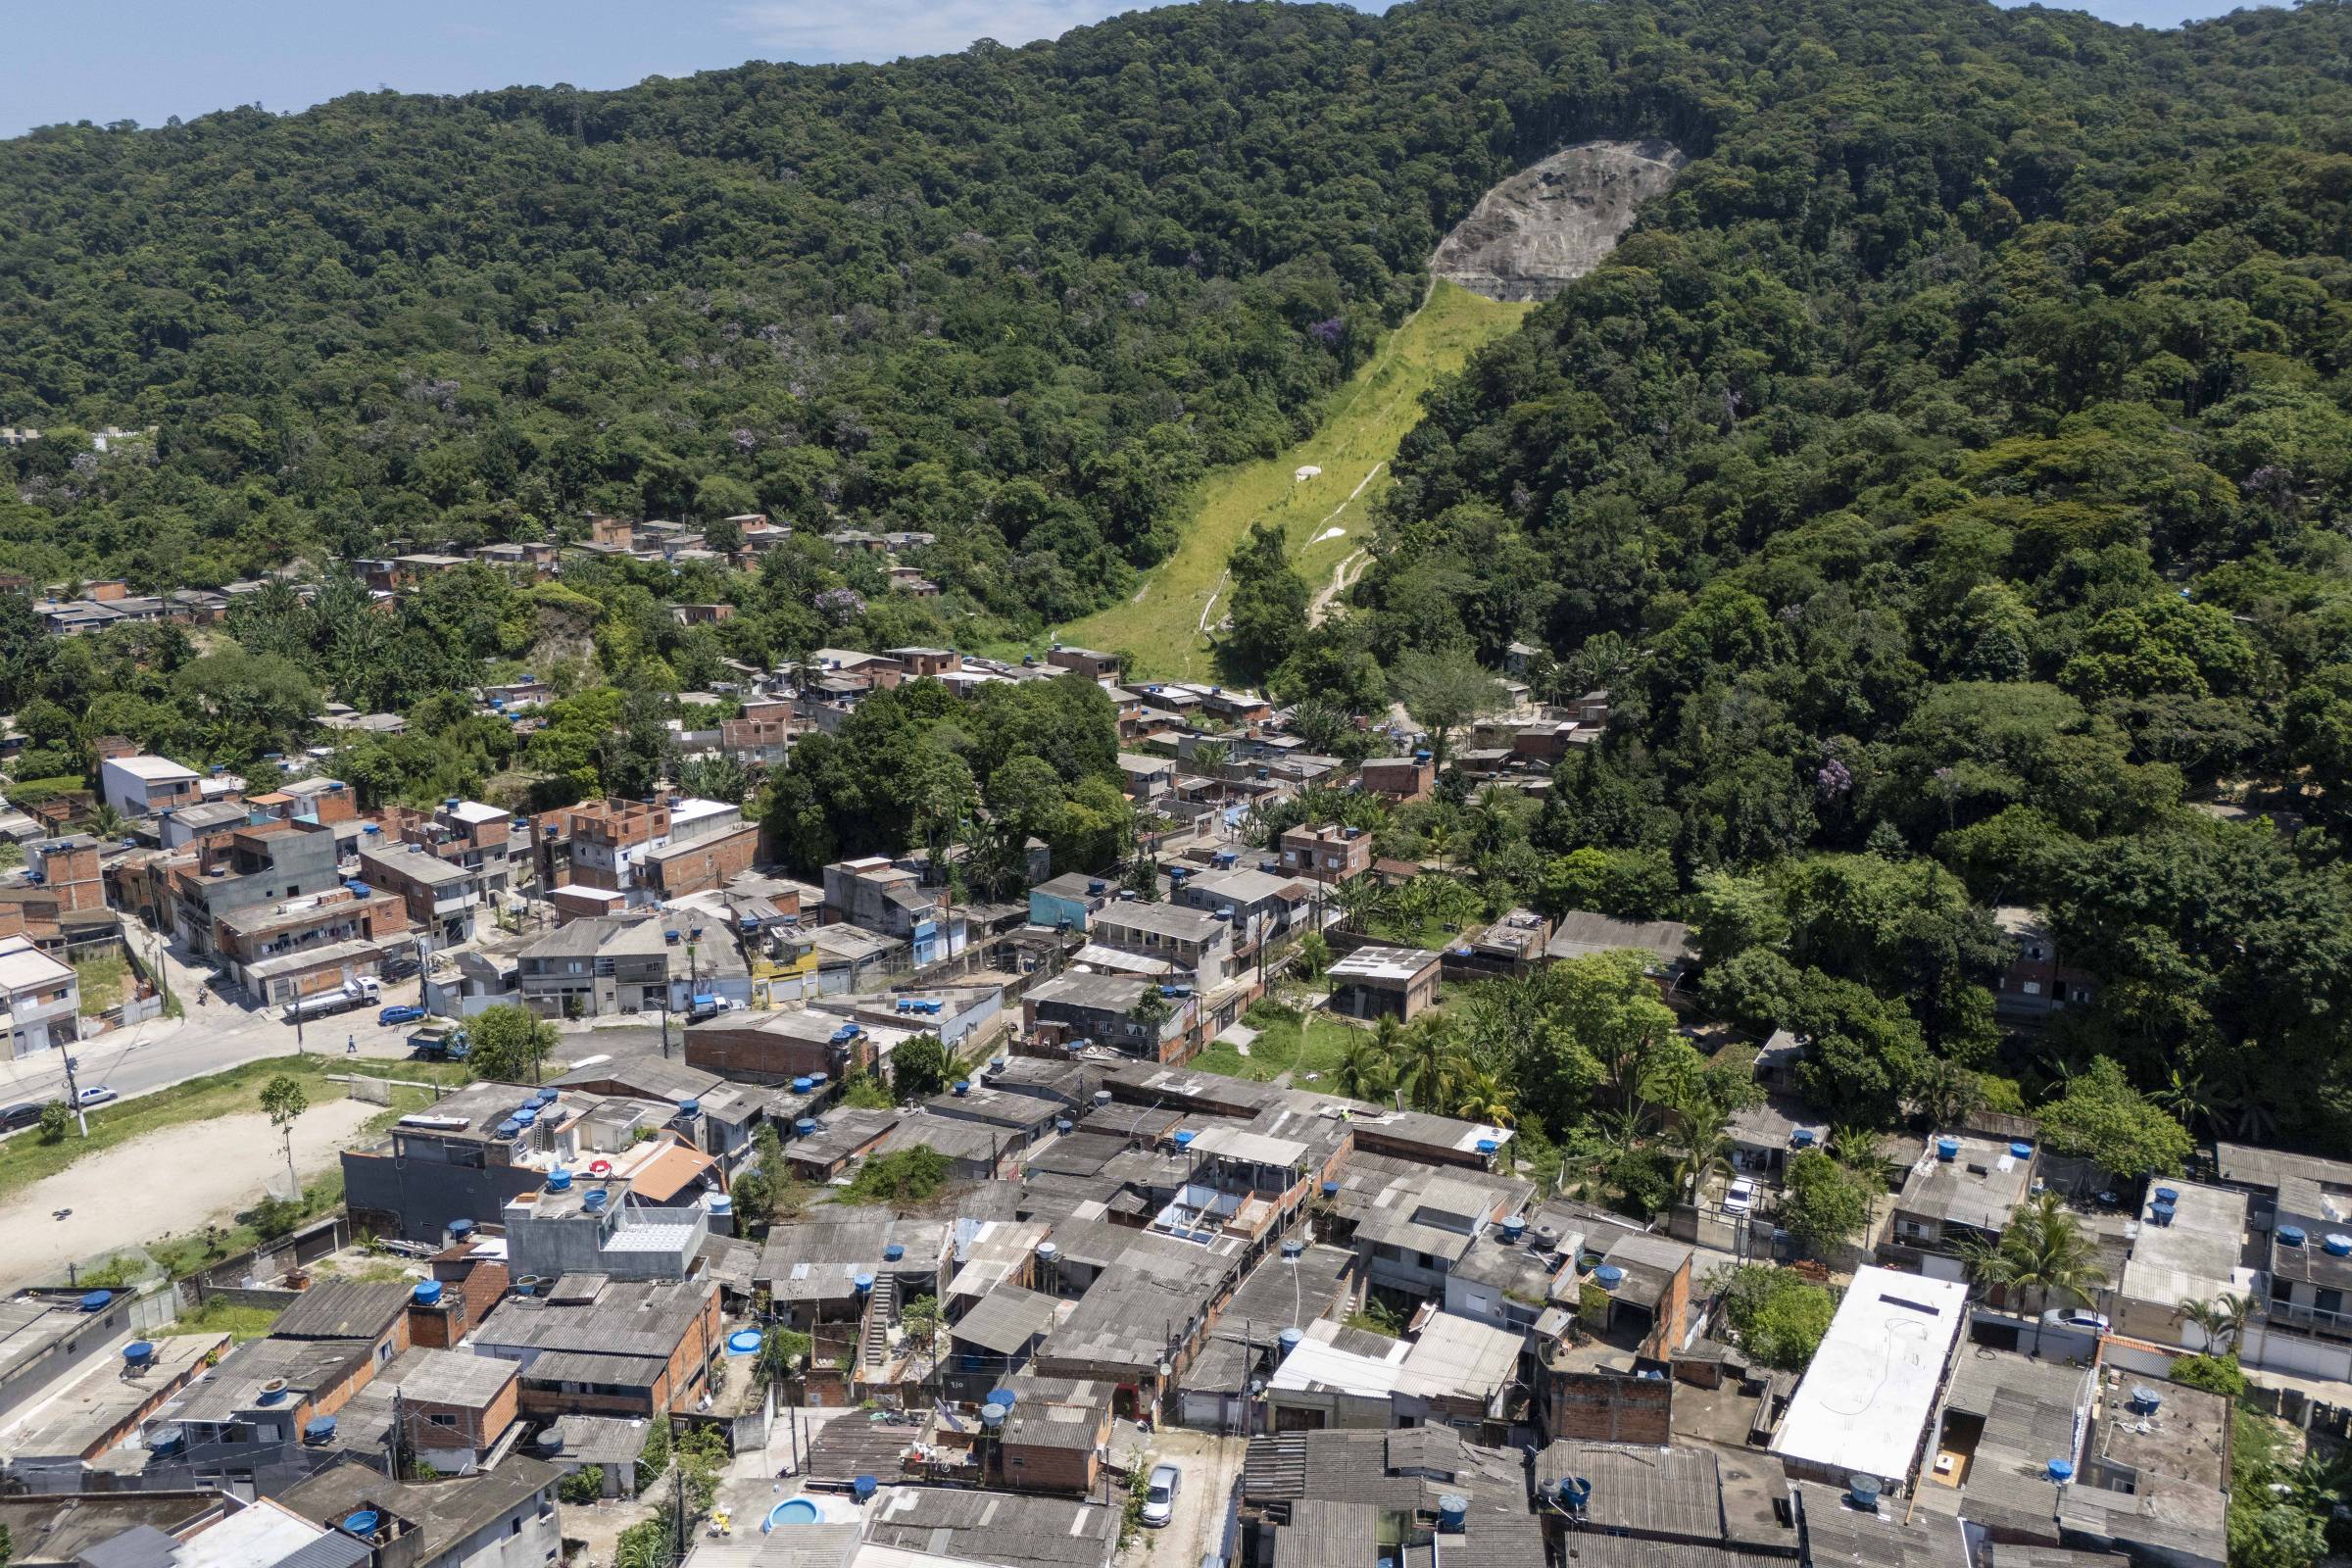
(1165, 626)
(1282, 1045)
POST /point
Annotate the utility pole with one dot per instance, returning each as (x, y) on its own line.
(678, 1469)
(74, 1097)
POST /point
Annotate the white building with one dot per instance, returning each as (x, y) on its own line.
(141, 786)
(1867, 1404)
(43, 997)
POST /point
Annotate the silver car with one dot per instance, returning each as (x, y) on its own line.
(1159, 1498)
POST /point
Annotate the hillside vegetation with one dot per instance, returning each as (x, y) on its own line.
(1168, 623)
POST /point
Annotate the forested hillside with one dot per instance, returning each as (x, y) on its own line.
(1948, 476)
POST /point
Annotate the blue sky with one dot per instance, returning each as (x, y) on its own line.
(147, 60)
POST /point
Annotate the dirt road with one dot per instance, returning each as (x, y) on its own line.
(167, 1184)
(1212, 1467)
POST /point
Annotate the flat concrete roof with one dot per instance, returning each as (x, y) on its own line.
(1871, 1389)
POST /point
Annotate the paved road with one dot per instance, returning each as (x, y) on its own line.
(214, 1036)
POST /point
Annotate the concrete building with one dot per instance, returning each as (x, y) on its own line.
(875, 895)
(144, 786)
(42, 999)
(299, 947)
(46, 1336)
(1102, 1010)
(1397, 983)
(1966, 1186)
(443, 898)
(1867, 1403)
(597, 1346)
(1330, 854)
(261, 863)
(1199, 943)
(589, 1225)
(501, 1518)
(630, 963)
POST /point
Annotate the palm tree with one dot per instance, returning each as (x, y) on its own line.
(1439, 840)
(1357, 900)
(2184, 1094)
(2221, 1319)
(106, 822)
(1856, 1148)
(2047, 1254)
(1429, 1065)
(1701, 1143)
(1367, 1069)
(1481, 1095)
(1210, 756)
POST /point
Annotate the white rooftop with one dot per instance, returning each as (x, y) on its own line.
(474, 812)
(1383, 963)
(262, 1534)
(1872, 1387)
(25, 968)
(154, 769)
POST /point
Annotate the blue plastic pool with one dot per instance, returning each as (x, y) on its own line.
(792, 1511)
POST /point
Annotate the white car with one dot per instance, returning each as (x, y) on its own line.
(1740, 1196)
(2076, 1317)
(97, 1095)
(1159, 1498)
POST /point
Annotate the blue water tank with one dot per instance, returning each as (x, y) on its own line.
(2061, 1471)
(2288, 1236)
(509, 1128)
(595, 1199)
(461, 1228)
(992, 1416)
(559, 1180)
(963, 1086)
(1290, 1340)
(864, 1282)
(96, 1300)
(1862, 1492)
(1488, 1145)
(2168, 1195)
(1610, 1276)
(1184, 1137)
(1452, 1514)
(893, 1252)
(2022, 1149)
(1513, 1229)
(864, 1487)
(1062, 1124)
(800, 1086)
(1004, 1397)
(318, 1430)
(140, 1352)
(1948, 1148)
(1331, 1189)
(427, 1294)
(804, 1126)
(690, 1108)
(1294, 1248)
(361, 1524)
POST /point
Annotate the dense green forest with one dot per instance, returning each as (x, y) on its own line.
(1948, 477)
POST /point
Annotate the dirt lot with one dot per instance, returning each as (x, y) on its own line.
(1212, 1468)
(167, 1184)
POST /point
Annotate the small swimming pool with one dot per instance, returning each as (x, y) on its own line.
(792, 1511)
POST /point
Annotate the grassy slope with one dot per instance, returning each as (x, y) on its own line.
(1370, 415)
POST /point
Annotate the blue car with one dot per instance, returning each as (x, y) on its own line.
(404, 1012)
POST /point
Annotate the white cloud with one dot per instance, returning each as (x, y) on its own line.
(884, 29)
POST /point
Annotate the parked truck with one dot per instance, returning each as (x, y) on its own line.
(439, 1040)
(345, 997)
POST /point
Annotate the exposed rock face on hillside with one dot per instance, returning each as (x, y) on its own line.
(1529, 236)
